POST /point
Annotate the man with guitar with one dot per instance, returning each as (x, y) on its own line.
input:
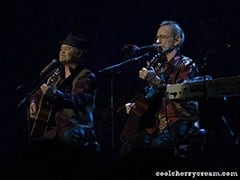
(62, 108)
(175, 121)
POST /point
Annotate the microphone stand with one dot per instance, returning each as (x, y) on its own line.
(110, 70)
(44, 74)
(22, 109)
(113, 67)
(27, 96)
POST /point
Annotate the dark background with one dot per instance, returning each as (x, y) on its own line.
(30, 35)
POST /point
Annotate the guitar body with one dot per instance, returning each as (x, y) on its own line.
(45, 113)
(142, 115)
(40, 123)
(132, 124)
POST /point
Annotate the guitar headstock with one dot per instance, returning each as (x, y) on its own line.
(54, 77)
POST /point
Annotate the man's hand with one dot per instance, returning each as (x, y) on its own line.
(147, 74)
(44, 88)
(129, 106)
(33, 110)
(151, 76)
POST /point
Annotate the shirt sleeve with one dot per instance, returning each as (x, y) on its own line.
(82, 94)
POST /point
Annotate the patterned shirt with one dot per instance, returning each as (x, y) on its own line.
(177, 70)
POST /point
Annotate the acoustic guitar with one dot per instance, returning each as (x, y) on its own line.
(39, 124)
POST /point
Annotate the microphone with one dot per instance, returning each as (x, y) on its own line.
(146, 47)
(52, 64)
(129, 50)
(134, 48)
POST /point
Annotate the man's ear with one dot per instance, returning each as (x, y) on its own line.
(80, 53)
(177, 41)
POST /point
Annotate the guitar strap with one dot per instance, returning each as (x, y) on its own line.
(80, 74)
